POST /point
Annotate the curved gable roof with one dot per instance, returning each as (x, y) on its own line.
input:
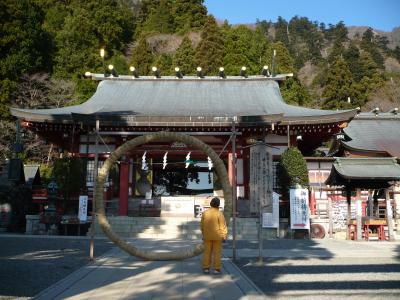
(170, 97)
(376, 133)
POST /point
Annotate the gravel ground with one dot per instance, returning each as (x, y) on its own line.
(30, 264)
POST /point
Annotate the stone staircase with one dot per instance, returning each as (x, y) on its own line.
(177, 227)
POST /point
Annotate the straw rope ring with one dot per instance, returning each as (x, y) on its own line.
(147, 254)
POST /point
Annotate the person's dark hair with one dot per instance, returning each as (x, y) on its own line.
(214, 202)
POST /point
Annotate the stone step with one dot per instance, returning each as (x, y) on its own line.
(176, 227)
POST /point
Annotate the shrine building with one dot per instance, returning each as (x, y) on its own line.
(229, 113)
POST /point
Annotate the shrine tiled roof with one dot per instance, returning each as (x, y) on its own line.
(372, 132)
(257, 99)
(364, 172)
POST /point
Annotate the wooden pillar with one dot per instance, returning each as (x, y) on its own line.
(330, 217)
(359, 215)
(312, 202)
(389, 215)
(230, 168)
(370, 204)
(348, 196)
(123, 188)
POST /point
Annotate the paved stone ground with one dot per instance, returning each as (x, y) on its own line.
(291, 269)
(29, 264)
(327, 270)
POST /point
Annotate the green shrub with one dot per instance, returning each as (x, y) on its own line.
(292, 171)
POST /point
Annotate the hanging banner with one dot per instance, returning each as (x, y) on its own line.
(83, 204)
(261, 176)
(271, 220)
(299, 212)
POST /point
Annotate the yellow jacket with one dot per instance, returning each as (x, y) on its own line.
(213, 225)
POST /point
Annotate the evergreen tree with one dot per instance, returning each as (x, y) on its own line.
(91, 26)
(337, 33)
(396, 53)
(210, 51)
(339, 85)
(142, 57)
(160, 19)
(283, 60)
(368, 44)
(352, 57)
(282, 31)
(292, 171)
(263, 26)
(164, 63)
(243, 47)
(189, 15)
(23, 46)
(185, 57)
(293, 92)
(336, 51)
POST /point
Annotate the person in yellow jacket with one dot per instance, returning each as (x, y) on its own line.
(214, 230)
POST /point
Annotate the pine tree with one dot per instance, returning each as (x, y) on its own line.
(185, 57)
(189, 15)
(142, 57)
(210, 51)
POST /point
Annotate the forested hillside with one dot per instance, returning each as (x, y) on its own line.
(47, 45)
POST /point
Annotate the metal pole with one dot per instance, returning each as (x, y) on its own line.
(288, 136)
(260, 239)
(96, 162)
(234, 197)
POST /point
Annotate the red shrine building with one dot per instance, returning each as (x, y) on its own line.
(228, 113)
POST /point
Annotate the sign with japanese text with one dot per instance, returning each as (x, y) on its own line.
(299, 212)
(271, 220)
(83, 205)
(261, 178)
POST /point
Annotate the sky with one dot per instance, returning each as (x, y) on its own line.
(378, 14)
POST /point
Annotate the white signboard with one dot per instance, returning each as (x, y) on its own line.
(83, 205)
(271, 220)
(261, 176)
(299, 213)
(177, 205)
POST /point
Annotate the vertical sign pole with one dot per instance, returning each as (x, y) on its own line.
(234, 188)
(96, 163)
